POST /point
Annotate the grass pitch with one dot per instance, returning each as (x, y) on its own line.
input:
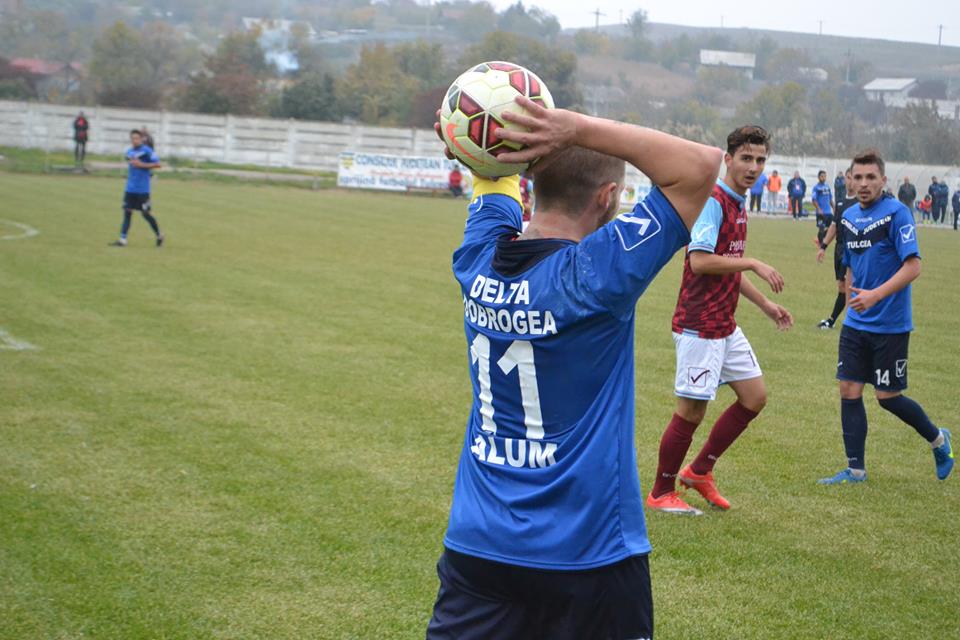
(253, 431)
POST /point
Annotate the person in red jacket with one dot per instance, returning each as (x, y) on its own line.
(81, 132)
(456, 181)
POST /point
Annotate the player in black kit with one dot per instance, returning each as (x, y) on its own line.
(824, 238)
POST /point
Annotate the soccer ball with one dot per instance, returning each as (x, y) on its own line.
(471, 114)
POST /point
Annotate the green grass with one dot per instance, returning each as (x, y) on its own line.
(253, 432)
(19, 160)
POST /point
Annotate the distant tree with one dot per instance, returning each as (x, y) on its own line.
(764, 49)
(313, 97)
(424, 61)
(676, 51)
(591, 42)
(785, 65)
(713, 82)
(232, 81)
(921, 135)
(529, 23)
(121, 71)
(777, 107)
(637, 23)
(468, 21)
(556, 66)
(375, 89)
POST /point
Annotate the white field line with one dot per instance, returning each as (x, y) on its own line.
(27, 230)
(9, 343)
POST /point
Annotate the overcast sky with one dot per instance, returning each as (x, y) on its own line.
(884, 19)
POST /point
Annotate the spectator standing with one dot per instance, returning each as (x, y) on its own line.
(756, 193)
(455, 181)
(81, 133)
(956, 207)
(822, 200)
(839, 187)
(797, 190)
(907, 194)
(939, 196)
(773, 186)
(944, 201)
(147, 138)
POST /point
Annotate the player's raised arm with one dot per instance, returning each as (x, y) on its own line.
(685, 171)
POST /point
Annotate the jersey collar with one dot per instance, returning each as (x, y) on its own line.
(733, 194)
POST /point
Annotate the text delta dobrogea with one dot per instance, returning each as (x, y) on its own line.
(533, 322)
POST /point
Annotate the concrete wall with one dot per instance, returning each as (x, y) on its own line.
(306, 145)
(229, 139)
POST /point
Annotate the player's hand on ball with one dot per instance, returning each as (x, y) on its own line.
(548, 130)
(436, 129)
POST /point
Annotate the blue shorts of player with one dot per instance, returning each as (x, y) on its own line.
(879, 359)
(485, 600)
(136, 202)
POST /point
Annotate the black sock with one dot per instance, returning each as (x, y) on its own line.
(853, 418)
(838, 307)
(913, 414)
(151, 221)
(125, 228)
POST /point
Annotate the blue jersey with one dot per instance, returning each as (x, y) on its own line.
(138, 180)
(822, 196)
(877, 241)
(547, 476)
(757, 188)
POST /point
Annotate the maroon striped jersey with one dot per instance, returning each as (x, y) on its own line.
(706, 303)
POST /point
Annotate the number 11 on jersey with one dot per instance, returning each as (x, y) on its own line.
(519, 355)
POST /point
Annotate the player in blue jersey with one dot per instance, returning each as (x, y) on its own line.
(822, 202)
(882, 259)
(546, 536)
(141, 160)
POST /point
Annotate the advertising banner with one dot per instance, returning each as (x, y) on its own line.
(392, 173)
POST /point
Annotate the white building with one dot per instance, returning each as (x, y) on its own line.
(889, 90)
(743, 62)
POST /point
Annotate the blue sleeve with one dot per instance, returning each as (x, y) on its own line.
(903, 233)
(706, 230)
(617, 262)
(490, 216)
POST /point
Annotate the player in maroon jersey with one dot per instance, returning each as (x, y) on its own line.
(711, 349)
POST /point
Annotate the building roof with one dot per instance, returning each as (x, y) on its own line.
(889, 84)
(39, 67)
(729, 58)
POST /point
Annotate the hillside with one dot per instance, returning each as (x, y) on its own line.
(888, 57)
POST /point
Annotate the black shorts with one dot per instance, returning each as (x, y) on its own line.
(136, 202)
(484, 600)
(879, 359)
(838, 269)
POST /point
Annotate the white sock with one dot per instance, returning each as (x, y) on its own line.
(857, 473)
(939, 441)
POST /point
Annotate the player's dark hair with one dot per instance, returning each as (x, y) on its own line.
(136, 131)
(748, 134)
(573, 177)
(821, 173)
(870, 156)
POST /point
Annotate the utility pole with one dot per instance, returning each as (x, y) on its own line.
(821, 26)
(939, 35)
(597, 15)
